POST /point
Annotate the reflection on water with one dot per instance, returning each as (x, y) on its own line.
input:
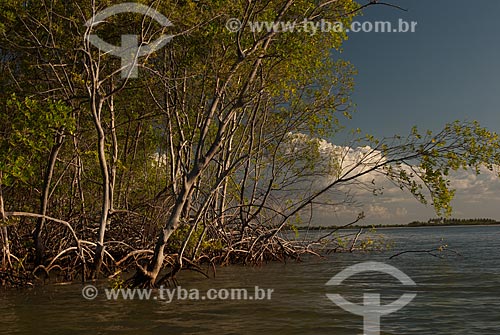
(456, 295)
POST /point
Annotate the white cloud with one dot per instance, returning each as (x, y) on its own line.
(476, 196)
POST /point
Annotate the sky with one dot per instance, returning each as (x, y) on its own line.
(449, 69)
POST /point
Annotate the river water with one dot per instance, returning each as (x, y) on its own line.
(456, 294)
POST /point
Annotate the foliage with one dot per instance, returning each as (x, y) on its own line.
(208, 154)
(30, 128)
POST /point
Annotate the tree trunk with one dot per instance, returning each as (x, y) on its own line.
(4, 232)
(44, 201)
(106, 206)
(147, 277)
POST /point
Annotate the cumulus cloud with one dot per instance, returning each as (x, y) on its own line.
(476, 195)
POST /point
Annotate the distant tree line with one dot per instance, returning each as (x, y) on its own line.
(452, 221)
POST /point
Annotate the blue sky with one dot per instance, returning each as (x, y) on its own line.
(449, 69)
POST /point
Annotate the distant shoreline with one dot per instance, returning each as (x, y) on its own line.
(415, 224)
